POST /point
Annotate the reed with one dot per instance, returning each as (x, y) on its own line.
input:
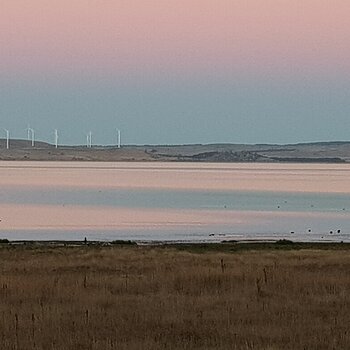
(161, 298)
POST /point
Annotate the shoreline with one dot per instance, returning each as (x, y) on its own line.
(223, 246)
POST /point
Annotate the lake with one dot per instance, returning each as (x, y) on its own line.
(174, 201)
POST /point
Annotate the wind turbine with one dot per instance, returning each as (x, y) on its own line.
(33, 136)
(28, 132)
(30, 135)
(7, 138)
(89, 139)
(119, 139)
(56, 138)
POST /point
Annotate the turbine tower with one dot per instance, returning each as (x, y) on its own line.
(56, 138)
(89, 139)
(33, 136)
(28, 132)
(7, 138)
(119, 138)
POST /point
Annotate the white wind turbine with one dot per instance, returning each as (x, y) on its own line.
(89, 139)
(56, 138)
(7, 138)
(28, 132)
(119, 138)
(30, 135)
(33, 136)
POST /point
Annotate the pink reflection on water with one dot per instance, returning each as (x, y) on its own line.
(36, 217)
(174, 176)
(182, 176)
(70, 217)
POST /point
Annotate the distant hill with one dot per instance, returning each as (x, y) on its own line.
(315, 152)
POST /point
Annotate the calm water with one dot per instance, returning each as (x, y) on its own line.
(174, 201)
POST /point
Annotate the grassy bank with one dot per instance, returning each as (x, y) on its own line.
(178, 297)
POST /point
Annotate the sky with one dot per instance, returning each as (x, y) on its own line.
(176, 71)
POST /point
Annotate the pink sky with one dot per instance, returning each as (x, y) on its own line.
(180, 36)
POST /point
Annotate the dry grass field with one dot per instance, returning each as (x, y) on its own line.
(164, 298)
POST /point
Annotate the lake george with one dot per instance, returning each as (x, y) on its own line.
(186, 202)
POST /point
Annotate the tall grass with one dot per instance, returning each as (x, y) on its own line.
(156, 298)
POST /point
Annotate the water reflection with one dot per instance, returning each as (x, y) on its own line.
(157, 201)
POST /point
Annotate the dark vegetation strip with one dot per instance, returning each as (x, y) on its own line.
(226, 247)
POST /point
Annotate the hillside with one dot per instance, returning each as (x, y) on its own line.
(322, 152)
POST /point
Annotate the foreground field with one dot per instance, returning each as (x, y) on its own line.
(163, 298)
